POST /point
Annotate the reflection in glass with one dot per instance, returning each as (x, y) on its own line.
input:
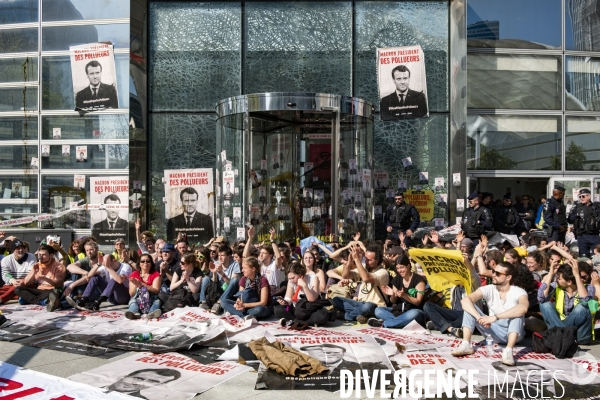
(18, 128)
(17, 157)
(514, 81)
(513, 142)
(68, 10)
(18, 40)
(583, 144)
(88, 126)
(57, 82)
(19, 187)
(18, 99)
(61, 37)
(532, 24)
(18, 12)
(582, 25)
(583, 83)
(19, 69)
(62, 158)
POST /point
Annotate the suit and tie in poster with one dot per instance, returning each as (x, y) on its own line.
(190, 204)
(94, 77)
(109, 204)
(402, 83)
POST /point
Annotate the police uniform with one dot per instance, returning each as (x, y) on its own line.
(555, 217)
(402, 217)
(586, 223)
(506, 218)
(476, 221)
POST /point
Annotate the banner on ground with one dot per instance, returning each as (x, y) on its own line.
(94, 77)
(159, 376)
(402, 83)
(189, 207)
(111, 223)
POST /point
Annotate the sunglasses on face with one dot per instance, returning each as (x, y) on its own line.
(200, 256)
(584, 277)
(145, 261)
(497, 273)
(582, 196)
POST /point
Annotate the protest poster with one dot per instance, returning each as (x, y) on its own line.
(444, 269)
(94, 76)
(402, 83)
(109, 221)
(402, 184)
(439, 184)
(382, 181)
(56, 133)
(366, 183)
(423, 178)
(159, 376)
(81, 152)
(423, 200)
(228, 184)
(79, 182)
(35, 163)
(189, 207)
(66, 150)
(45, 150)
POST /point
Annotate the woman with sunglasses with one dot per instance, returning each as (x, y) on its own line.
(185, 285)
(144, 284)
(203, 256)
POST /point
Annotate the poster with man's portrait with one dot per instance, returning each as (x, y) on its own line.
(45, 150)
(94, 77)
(190, 204)
(66, 150)
(81, 153)
(402, 83)
(109, 203)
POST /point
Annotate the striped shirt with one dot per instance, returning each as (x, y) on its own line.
(11, 269)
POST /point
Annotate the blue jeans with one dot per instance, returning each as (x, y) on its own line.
(205, 282)
(353, 308)
(580, 317)
(116, 293)
(231, 290)
(247, 296)
(135, 308)
(499, 330)
(391, 321)
(443, 318)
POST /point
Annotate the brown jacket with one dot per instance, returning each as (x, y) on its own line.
(284, 359)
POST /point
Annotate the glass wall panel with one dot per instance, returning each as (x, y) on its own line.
(582, 25)
(18, 99)
(514, 81)
(22, 69)
(57, 82)
(18, 40)
(17, 157)
(18, 128)
(532, 24)
(99, 156)
(583, 144)
(88, 126)
(299, 47)
(16, 210)
(583, 83)
(18, 187)
(513, 142)
(391, 24)
(67, 10)
(193, 65)
(18, 12)
(61, 37)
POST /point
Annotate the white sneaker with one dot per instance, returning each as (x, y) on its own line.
(507, 357)
(250, 318)
(154, 314)
(464, 349)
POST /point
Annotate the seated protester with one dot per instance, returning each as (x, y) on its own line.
(144, 286)
(48, 277)
(563, 302)
(111, 279)
(254, 295)
(507, 304)
(486, 260)
(372, 276)
(310, 264)
(120, 251)
(406, 293)
(80, 269)
(269, 259)
(167, 265)
(226, 272)
(185, 286)
(513, 257)
(15, 268)
(75, 252)
(537, 262)
(302, 289)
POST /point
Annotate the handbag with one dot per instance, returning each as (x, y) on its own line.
(143, 300)
(341, 291)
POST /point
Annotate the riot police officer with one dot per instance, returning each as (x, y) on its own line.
(555, 215)
(585, 217)
(402, 217)
(526, 212)
(476, 220)
(506, 217)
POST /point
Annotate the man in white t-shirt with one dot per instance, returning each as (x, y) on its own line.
(507, 304)
(112, 280)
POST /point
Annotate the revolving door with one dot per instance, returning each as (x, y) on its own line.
(301, 163)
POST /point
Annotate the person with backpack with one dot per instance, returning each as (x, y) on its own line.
(405, 293)
(144, 286)
(185, 285)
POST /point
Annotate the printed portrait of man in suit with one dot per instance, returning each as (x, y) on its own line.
(403, 103)
(97, 95)
(198, 226)
(112, 227)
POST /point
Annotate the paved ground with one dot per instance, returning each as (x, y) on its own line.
(242, 387)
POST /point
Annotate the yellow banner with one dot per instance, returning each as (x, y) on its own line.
(423, 200)
(443, 269)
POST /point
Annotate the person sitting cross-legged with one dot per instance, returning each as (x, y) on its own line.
(144, 286)
(563, 302)
(507, 303)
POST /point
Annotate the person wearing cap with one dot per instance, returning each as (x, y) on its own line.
(506, 218)
(15, 268)
(167, 266)
(476, 220)
(585, 217)
(555, 215)
(402, 217)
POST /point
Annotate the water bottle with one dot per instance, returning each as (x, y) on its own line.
(141, 337)
(489, 344)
